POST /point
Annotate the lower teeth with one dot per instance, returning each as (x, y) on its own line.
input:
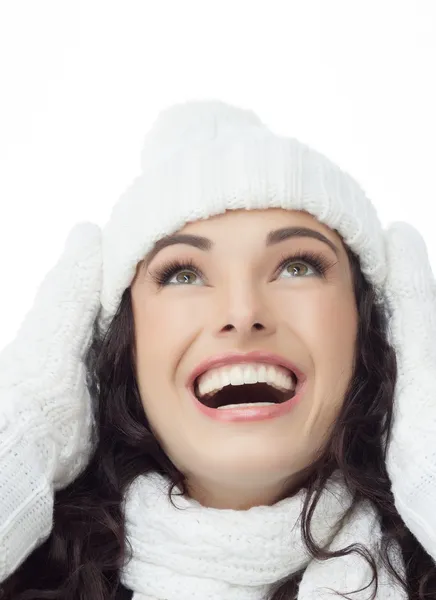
(245, 405)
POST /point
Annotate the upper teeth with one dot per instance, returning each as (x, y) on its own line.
(240, 374)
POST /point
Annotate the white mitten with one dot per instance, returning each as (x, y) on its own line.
(411, 459)
(45, 408)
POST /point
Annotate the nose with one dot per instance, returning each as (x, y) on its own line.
(245, 312)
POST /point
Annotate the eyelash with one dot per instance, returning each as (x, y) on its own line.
(317, 261)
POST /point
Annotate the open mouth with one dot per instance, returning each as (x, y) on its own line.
(232, 396)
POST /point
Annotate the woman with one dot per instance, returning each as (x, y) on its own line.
(227, 393)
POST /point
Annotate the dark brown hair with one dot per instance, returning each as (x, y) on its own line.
(82, 558)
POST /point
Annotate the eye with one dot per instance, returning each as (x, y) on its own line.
(177, 273)
(297, 269)
(300, 265)
(304, 264)
(184, 276)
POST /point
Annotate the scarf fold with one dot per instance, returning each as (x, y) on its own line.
(186, 551)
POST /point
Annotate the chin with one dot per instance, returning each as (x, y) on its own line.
(241, 464)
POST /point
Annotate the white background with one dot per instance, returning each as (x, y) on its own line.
(82, 80)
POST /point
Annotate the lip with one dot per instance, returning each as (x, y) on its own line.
(252, 413)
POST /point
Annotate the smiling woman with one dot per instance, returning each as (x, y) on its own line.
(240, 342)
(276, 292)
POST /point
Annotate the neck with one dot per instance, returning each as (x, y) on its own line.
(236, 496)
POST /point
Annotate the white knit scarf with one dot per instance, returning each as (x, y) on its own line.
(206, 553)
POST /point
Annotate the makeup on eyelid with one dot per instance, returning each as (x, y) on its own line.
(317, 261)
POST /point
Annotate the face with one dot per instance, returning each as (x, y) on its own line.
(244, 289)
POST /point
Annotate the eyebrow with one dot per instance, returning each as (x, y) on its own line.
(274, 237)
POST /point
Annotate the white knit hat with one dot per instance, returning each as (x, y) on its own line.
(202, 158)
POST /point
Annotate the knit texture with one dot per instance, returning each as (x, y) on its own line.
(411, 460)
(199, 160)
(45, 408)
(187, 551)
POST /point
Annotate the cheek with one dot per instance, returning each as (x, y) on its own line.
(336, 332)
(169, 317)
(327, 327)
(163, 330)
(326, 323)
